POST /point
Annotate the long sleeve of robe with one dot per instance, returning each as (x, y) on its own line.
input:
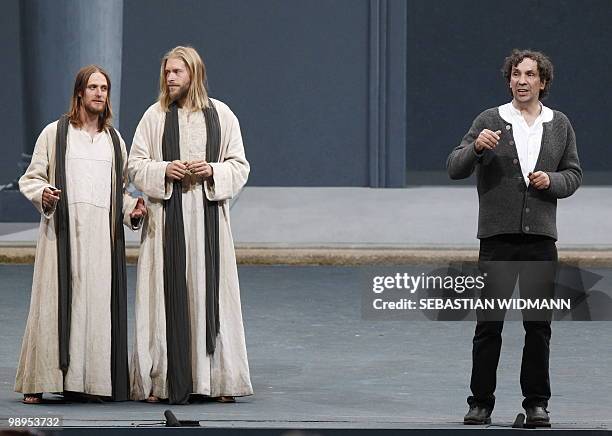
(226, 371)
(89, 184)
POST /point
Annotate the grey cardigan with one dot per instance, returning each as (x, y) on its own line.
(506, 204)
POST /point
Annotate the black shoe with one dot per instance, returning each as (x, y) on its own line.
(537, 416)
(478, 415)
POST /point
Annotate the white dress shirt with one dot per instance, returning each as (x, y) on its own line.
(527, 139)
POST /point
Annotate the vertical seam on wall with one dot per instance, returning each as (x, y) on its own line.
(405, 38)
(377, 82)
(382, 125)
(374, 77)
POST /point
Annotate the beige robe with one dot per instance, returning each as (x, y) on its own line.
(226, 372)
(90, 184)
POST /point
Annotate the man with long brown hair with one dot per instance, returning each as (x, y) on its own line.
(188, 159)
(76, 335)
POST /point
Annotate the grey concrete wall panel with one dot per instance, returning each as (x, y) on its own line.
(387, 87)
(11, 109)
(57, 39)
(455, 53)
(295, 72)
(60, 37)
(329, 92)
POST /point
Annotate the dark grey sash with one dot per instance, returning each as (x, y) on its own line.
(178, 331)
(119, 360)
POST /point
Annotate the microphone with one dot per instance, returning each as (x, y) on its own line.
(519, 421)
(171, 420)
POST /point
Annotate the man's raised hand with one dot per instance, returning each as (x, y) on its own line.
(200, 168)
(50, 197)
(176, 170)
(140, 210)
(487, 139)
(539, 180)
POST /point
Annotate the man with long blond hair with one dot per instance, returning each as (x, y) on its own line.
(76, 335)
(188, 159)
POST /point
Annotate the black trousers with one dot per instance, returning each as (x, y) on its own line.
(532, 259)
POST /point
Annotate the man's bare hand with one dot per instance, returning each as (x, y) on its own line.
(176, 170)
(50, 197)
(539, 180)
(200, 168)
(139, 211)
(487, 139)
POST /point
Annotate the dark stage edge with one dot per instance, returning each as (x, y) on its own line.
(423, 429)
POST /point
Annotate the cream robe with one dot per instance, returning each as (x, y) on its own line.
(226, 372)
(90, 184)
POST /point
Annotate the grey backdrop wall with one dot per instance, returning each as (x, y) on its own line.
(11, 109)
(455, 53)
(344, 92)
(294, 72)
(300, 75)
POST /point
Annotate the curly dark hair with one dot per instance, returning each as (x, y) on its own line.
(545, 67)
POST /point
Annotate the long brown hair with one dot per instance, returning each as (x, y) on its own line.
(197, 95)
(80, 84)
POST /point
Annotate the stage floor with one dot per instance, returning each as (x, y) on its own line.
(317, 364)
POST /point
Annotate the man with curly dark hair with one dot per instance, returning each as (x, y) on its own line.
(525, 157)
(544, 68)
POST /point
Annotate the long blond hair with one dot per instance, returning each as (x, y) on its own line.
(197, 95)
(80, 84)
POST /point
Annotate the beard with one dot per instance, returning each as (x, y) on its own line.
(179, 93)
(94, 110)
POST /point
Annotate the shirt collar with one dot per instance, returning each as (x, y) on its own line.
(508, 112)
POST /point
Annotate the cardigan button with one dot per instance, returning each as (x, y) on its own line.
(511, 142)
(526, 210)
(526, 228)
(508, 126)
(514, 161)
